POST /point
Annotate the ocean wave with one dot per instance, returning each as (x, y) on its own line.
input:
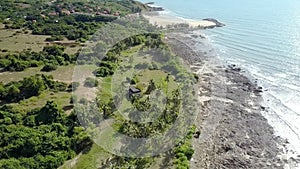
(263, 40)
(274, 82)
(259, 57)
(284, 128)
(283, 104)
(268, 51)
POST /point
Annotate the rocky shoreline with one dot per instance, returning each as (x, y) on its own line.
(156, 18)
(234, 133)
(218, 23)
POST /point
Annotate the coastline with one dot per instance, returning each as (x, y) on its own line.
(234, 133)
(232, 144)
(163, 20)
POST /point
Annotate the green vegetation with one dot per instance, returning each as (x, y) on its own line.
(105, 69)
(13, 42)
(73, 86)
(61, 98)
(74, 20)
(49, 67)
(88, 160)
(91, 82)
(39, 124)
(42, 138)
(184, 150)
(156, 71)
(28, 87)
(51, 57)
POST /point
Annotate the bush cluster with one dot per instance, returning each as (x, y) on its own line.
(28, 87)
(50, 57)
(42, 138)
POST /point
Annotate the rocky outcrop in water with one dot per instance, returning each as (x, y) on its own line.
(153, 8)
(218, 24)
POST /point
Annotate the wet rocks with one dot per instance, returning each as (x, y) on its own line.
(234, 134)
(218, 24)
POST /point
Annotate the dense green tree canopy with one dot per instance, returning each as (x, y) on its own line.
(43, 138)
(71, 19)
(28, 87)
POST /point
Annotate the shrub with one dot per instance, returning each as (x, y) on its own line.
(91, 82)
(81, 40)
(196, 76)
(83, 101)
(142, 66)
(55, 50)
(103, 72)
(49, 67)
(17, 65)
(74, 85)
(134, 80)
(4, 62)
(73, 99)
(34, 63)
(59, 86)
(55, 38)
(105, 69)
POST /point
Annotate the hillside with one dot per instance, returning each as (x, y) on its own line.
(43, 119)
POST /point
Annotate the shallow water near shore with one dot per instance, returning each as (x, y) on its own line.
(263, 38)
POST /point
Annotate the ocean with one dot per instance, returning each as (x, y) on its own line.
(262, 37)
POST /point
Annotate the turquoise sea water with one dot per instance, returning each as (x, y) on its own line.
(263, 37)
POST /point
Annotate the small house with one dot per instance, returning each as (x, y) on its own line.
(134, 92)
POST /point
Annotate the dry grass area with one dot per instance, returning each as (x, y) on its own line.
(63, 73)
(72, 50)
(61, 98)
(17, 40)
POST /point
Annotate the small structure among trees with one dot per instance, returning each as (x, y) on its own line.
(134, 92)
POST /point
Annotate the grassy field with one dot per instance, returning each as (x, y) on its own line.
(105, 92)
(72, 50)
(132, 65)
(17, 40)
(89, 160)
(159, 78)
(61, 98)
(63, 73)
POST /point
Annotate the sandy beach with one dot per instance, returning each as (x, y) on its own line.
(163, 20)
